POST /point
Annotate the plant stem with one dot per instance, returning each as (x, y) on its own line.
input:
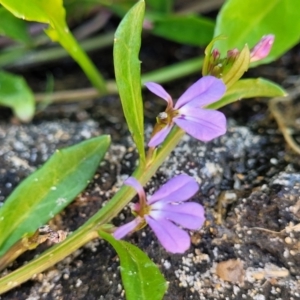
(174, 71)
(162, 75)
(47, 259)
(66, 39)
(88, 231)
(21, 57)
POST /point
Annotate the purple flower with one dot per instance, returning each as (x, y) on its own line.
(166, 207)
(188, 112)
(262, 48)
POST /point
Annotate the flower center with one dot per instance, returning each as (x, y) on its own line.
(163, 115)
(166, 117)
(163, 118)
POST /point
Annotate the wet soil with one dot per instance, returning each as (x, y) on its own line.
(249, 185)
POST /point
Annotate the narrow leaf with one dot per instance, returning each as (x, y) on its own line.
(163, 6)
(15, 93)
(12, 27)
(245, 22)
(50, 189)
(128, 72)
(141, 278)
(193, 30)
(249, 88)
(53, 13)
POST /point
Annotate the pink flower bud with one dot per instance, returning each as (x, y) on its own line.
(262, 48)
(233, 54)
(215, 54)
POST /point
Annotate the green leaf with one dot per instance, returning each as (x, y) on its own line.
(249, 88)
(36, 10)
(121, 8)
(15, 93)
(191, 30)
(50, 189)
(141, 278)
(239, 67)
(53, 13)
(128, 72)
(79, 9)
(248, 20)
(12, 27)
(163, 6)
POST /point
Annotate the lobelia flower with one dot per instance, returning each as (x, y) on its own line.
(188, 112)
(166, 207)
(262, 48)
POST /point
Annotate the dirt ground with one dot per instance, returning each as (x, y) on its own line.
(249, 184)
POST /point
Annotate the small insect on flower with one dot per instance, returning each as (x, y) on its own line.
(165, 211)
(188, 113)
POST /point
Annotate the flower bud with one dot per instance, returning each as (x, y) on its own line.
(262, 48)
(215, 54)
(233, 54)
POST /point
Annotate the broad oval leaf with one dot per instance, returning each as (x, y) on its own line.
(15, 93)
(249, 88)
(49, 190)
(141, 278)
(245, 22)
(191, 30)
(128, 72)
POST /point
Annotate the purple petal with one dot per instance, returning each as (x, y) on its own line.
(172, 238)
(160, 136)
(206, 90)
(137, 186)
(188, 215)
(159, 91)
(177, 189)
(126, 228)
(202, 124)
